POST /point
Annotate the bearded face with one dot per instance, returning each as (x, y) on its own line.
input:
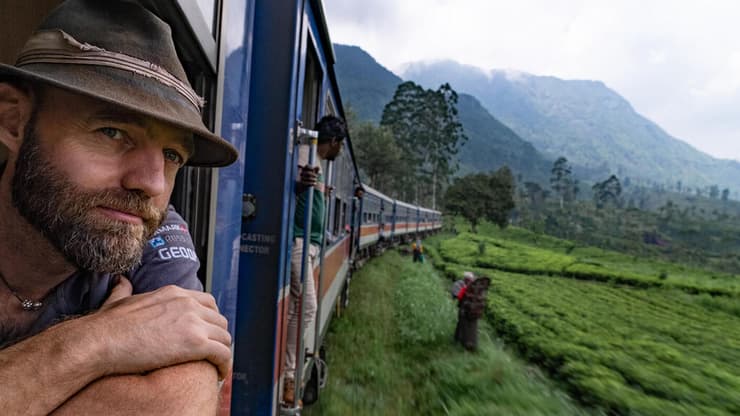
(64, 213)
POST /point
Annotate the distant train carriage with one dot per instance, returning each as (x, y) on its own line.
(372, 224)
(405, 222)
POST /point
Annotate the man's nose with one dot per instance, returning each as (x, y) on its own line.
(145, 171)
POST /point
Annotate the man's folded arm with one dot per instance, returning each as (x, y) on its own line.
(179, 390)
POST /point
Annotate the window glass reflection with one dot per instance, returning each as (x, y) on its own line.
(207, 9)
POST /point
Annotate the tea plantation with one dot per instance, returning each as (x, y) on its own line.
(626, 334)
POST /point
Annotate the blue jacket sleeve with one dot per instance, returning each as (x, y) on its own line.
(169, 258)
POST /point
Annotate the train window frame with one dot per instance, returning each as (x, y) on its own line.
(329, 107)
(194, 187)
(345, 215)
(205, 33)
(337, 216)
(313, 79)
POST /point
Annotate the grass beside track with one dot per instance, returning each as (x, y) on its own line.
(391, 353)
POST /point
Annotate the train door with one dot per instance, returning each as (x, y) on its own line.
(286, 82)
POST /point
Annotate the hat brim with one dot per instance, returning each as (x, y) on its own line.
(136, 93)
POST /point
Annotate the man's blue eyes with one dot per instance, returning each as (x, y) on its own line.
(170, 155)
(112, 133)
(174, 157)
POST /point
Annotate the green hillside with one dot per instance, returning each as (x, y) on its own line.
(593, 126)
(491, 144)
(367, 87)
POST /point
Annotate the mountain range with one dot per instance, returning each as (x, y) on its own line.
(367, 87)
(526, 121)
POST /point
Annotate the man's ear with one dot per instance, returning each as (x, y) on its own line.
(15, 111)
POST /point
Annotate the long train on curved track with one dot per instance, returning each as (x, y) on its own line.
(265, 68)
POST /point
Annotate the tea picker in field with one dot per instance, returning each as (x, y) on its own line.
(471, 304)
(459, 285)
(418, 251)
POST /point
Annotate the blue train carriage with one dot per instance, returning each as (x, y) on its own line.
(376, 230)
(406, 221)
(370, 227)
(429, 221)
(281, 88)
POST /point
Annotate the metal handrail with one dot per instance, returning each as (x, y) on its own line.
(300, 353)
(322, 253)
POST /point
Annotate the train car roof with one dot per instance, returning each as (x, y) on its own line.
(375, 192)
(406, 204)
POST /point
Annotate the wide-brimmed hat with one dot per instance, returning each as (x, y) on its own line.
(119, 52)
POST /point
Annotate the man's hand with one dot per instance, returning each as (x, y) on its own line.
(309, 176)
(169, 326)
(128, 336)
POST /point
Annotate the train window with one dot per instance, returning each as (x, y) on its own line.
(208, 10)
(329, 106)
(194, 24)
(337, 216)
(345, 217)
(311, 88)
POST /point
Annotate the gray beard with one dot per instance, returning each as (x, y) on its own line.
(61, 211)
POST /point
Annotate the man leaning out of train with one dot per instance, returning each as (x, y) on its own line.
(332, 131)
(97, 117)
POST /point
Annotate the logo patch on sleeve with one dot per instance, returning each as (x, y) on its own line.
(171, 227)
(169, 253)
(157, 242)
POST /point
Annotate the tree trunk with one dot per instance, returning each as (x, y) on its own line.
(434, 190)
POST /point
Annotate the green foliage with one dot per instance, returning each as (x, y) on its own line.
(423, 312)
(562, 181)
(634, 347)
(502, 187)
(469, 197)
(676, 232)
(607, 192)
(428, 132)
(372, 373)
(521, 251)
(377, 154)
(632, 350)
(482, 196)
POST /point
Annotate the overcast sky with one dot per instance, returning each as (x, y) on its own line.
(677, 62)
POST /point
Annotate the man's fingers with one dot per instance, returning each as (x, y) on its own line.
(221, 358)
(205, 299)
(220, 335)
(122, 289)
